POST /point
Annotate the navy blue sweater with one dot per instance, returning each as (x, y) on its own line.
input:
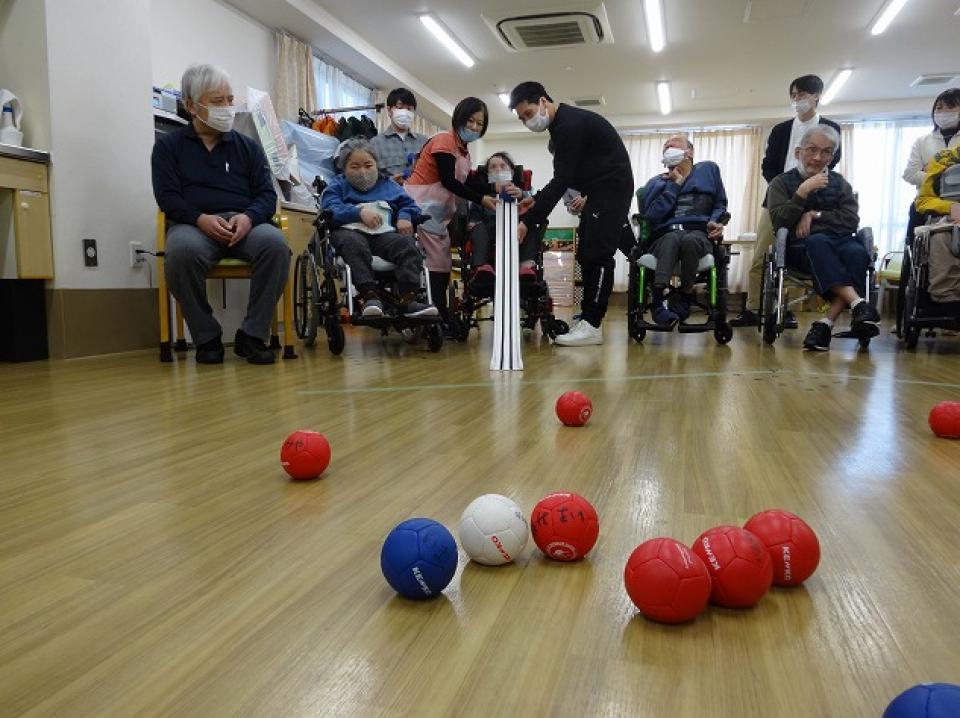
(189, 180)
(344, 200)
(700, 199)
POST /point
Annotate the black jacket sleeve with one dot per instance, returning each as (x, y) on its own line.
(568, 146)
(775, 155)
(446, 167)
(166, 185)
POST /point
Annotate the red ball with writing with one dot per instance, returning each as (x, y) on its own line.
(574, 408)
(792, 545)
(565, 526)
(305, 454)
(738, 563)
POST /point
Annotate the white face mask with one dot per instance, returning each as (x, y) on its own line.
(672, 156)
(539, 122)
(501, 176)
(946, 119)
(219, 118)
(801, 107)
(403, 118)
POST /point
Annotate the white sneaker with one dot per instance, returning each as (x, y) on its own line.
(583, 334)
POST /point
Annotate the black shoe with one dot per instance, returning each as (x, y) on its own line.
(790, 320)
(210, 352)
(746, 318)
(683, 306)
(252, 349)
(818, 338)
(864, 319)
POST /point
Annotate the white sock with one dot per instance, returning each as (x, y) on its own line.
(826, 320)
(861, 299)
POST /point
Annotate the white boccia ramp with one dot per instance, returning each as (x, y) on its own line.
(506, 354)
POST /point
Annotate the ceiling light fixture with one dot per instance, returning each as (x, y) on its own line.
(504, 98)
(835, 85)
(887, 15)
(664, 98)
(653, 11)
(446, 39)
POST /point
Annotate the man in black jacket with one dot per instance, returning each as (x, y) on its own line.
(589, 156)
(780, 157)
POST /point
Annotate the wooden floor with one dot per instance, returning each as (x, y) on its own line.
(155, 561)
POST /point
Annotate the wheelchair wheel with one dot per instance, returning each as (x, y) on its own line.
(434, 337)
(306, 290)
(723, 333)
(336, 339)
(911, 336)
(770, 328)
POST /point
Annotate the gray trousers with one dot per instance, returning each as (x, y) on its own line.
(687, 246)
(358, 248)
(190, 254)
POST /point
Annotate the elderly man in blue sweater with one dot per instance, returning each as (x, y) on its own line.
(683, 207)
(374, 216)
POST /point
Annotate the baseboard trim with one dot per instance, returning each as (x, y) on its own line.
(90, 322)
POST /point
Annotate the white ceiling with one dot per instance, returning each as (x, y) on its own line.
(720, 66)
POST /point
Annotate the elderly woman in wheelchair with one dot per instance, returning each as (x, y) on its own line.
(815, 212)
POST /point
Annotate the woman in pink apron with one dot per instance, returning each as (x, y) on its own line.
(436, 183)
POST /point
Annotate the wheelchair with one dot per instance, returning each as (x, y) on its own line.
(777, 274)
(317, 298)
(918, 311)
(466, 300)
(711, 271)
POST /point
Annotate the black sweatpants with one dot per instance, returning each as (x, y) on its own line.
(602, 229)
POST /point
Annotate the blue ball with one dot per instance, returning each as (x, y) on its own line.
(418, 559)
(926, 700)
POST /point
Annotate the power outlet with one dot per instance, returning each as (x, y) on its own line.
(136, 259)
(90, 256)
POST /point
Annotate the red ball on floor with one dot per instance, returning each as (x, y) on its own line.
(574, 408)
(738, 563)
(944, 419)
(305, 454)
(667, 582)
(565, 526)
(793, 546)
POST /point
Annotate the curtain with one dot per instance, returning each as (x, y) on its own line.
(878, 154)
(847, 149)
(337, 89)
(296, 86)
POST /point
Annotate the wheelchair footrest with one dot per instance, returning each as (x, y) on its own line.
(683, 328)
(850, 334)
(389, 320)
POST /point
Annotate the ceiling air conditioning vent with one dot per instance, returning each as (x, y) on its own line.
(589, 101)
(549, 29)
(942, 78)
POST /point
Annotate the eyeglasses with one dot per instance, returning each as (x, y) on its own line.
(812, 151)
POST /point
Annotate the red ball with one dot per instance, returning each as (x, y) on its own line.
(574, 408)
(792, 545)
(305, 454)
(944, 419)
(738, 563)
(565, 526)
(667, 582)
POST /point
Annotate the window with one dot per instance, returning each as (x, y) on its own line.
(875, 154)
(336, 89)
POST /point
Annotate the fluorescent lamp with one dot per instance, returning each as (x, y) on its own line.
(835, 85)
(446, 40)
(504, 98)
(653, 11)
(886, 17)
(663, 96)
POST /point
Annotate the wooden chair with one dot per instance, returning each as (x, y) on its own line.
(228, 268)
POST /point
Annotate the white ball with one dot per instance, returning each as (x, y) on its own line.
(493, 530)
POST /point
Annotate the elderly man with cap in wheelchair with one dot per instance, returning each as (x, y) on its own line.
(821, 213)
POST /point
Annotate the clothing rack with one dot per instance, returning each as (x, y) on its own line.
(340, 110)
